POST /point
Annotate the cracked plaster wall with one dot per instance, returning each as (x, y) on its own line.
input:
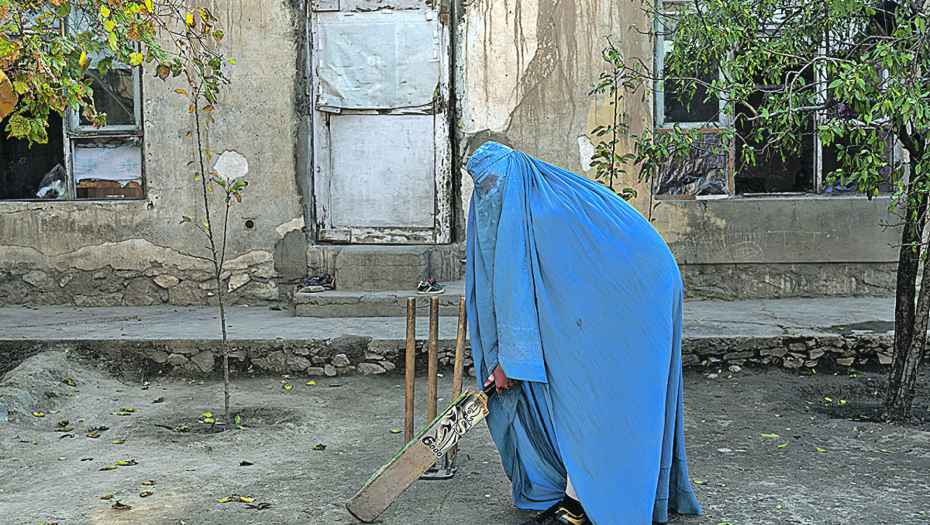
(523, 80)
(108, 253)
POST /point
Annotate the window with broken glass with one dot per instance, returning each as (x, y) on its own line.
(744, 166)
(78, 161)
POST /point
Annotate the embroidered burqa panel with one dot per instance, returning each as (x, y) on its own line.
(575, 294)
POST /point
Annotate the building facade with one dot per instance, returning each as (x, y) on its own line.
(352, 121)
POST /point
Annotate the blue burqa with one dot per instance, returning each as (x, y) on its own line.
(573, 292)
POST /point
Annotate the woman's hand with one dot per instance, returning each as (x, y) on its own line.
(501, 381)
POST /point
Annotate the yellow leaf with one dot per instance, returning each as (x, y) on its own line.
(311, 383)
(83, 58)
(119, 441)
(109, 467)
(191, 109)
(149, 482)
(135, 59)
(210, 188)
(148, 6)
(208, 108)
(104, 11)
(146, 493)
(105, 496)
(38, 414)
(190, 20)
(246, 500)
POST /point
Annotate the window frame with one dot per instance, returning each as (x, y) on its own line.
(726, 122)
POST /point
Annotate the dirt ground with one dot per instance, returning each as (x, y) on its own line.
(829, 463)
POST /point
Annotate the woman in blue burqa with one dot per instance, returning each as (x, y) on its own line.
(574, 309)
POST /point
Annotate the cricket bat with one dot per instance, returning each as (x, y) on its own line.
(391, 480)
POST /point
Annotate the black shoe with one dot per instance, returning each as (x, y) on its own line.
(559, 515)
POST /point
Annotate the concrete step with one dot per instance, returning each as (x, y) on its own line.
(350, 303)
(386, 268)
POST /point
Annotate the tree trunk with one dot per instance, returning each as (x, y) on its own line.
(910, 323)
(906, 364)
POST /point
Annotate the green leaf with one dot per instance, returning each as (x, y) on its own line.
(769, 435)
(135, 59)
(231, 61)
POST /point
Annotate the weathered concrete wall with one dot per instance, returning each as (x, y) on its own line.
(523, 78)
(523, 75)
(135, 252)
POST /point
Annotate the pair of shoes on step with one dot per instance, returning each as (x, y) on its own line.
(429, 287)
(316, 283)
(559, 515)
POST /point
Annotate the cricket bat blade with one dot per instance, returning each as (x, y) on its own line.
(391, 480)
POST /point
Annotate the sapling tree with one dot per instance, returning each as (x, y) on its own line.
(50, 52)
(853, 73)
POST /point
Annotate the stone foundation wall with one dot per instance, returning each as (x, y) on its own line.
(248, 279)
(354, 355)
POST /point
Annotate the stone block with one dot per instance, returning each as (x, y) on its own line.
(884, 359)
(329, 370)
(739, 355)
(845, 361)
(204, 361)
(176, 359)
(777, 352)
(370, 369)
(690, 360)
(340, 360)
(317, 360)
(159, 356)
(166, 281)
(816, 353)
(793, 363)
(811, 364)
(797, 347)
(314, 371)
(388, 365)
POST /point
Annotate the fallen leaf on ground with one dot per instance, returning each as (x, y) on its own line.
(128, 409)
(395, 431)
(61, 458)
(87, 459)
(66, 436)
(820, 449)
(246, 464)
(121, 413)
(286, 385)
(311, 383)
(129, 463)
(38, 414)
(145, 493)
(107, 496)
(236, 497)
(260, 506)
(119, 441)
(769, 435)
(68, 382)
(159, 400)
(164, 425)
(149, 482)
(121, 506)
(67, 429)
(319, 446)
(101, 429)
(63, 423)
(783, 445)
(93, 435)
(334, 384)
(109, 467)
(54, 411)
